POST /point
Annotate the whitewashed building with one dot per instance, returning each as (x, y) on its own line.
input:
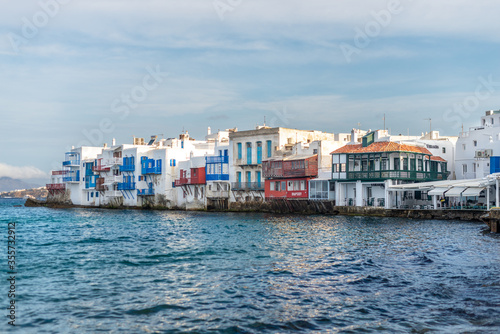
(247, 150)
(478, 150)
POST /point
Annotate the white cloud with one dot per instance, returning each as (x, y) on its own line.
(24, 172)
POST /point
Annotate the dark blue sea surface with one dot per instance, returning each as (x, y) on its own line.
(121, 271)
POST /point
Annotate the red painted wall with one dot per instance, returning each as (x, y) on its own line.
(286, 193)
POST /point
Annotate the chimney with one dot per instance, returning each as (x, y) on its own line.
(354, 136)
(113, 142)
(209, 131)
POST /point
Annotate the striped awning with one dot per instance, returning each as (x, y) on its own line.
(454, 192)
(437, 191)
(472, 191)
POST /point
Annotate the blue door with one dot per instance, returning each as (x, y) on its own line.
(249, 153)
(259, 152)
(258, 180)
(249, 179)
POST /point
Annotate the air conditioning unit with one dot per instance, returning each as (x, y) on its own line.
(487, 153)
(479, 154)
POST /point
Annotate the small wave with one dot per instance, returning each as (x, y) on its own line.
(156, 309)
(92, 241)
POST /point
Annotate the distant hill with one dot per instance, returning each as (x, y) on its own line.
(10, 184)
(38, 193)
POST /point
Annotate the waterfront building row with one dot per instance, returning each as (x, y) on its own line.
(360, 168)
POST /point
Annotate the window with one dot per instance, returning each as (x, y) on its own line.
(383, 164)
(444, 149)
(420, 165)
(238, 176)
(464, 169)
(364, 165)
(463, 147)
(249, 153)
(302, 185)
(269, 148)
(283, 185)
(397, 162)
(271, 186)
(342, 168)
(475, 143)
(369, 192)
(259, 152)
(315, 151)
(405, 163)
(239, 150)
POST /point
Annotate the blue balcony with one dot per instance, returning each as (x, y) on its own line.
(126, 186)
(217, 177)
(145, 192)
(71, 159)
(221, 159)
(72, 177)
(128, 165)
(150, 166)
(217, 168)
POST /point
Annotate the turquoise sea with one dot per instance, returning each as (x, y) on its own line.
(121, 271)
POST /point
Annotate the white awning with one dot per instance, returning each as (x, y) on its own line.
(472, 191)
(437, 191)
(454, 192)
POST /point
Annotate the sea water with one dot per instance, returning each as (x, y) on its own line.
(132, 271)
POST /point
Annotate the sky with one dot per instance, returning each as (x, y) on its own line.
(79, 72)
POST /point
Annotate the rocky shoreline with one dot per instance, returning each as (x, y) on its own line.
(302, 207)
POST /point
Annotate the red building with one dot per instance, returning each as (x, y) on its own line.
(289, 177)
(197, 176)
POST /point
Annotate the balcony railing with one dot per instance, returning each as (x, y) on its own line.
(71, 163)
(217, 177)
(114, 161)
(71, 179)
(60, 172)
(126, 186)
(247, 186)
(113, 179)
(101, 168)
(145, 192)
(151, 170)
(127, 168)
(221, 159)
(397, 174)
(56, 186)
(187, 181)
